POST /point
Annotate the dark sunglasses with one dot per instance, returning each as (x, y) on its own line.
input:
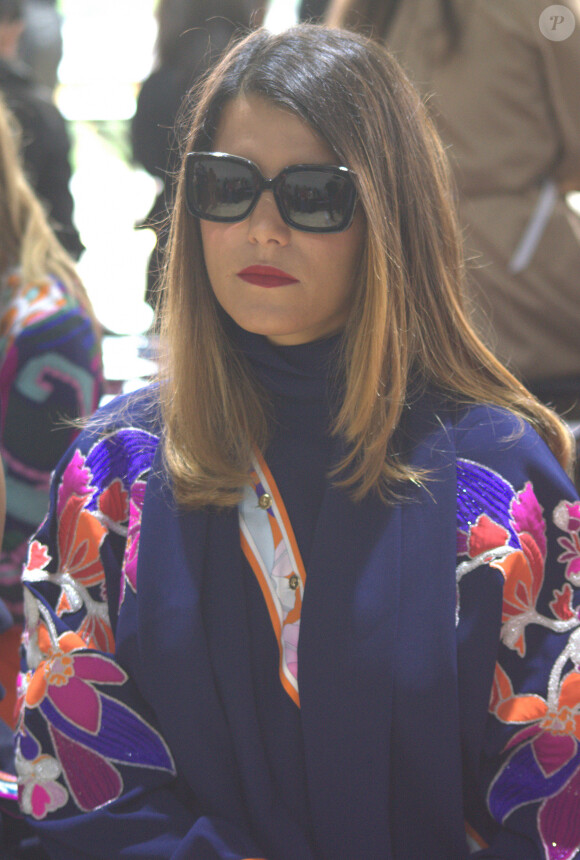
(315, 198)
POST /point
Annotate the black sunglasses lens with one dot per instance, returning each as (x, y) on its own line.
(219, 189)
(223, 188)
(317, 200)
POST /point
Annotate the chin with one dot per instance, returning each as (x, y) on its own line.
(271, 330)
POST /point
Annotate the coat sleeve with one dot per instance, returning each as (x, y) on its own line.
(51, 374)
(96, 777)
(518, 645)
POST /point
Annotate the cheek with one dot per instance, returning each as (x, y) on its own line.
(221, 245)
(356, 237)
(210, 242)
(342, 252)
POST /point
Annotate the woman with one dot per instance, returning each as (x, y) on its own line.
(50, 372)
(266, 609)
(504, 98)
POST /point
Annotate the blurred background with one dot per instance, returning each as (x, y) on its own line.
(108, 49)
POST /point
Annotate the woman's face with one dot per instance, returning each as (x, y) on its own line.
(315, 298)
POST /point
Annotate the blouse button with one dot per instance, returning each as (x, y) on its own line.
(293, 582)
(265, 501)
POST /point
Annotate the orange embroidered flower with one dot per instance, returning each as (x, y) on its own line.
(561, 722)
(544, 764)
(86, 725)
(559, 718)
(58, 670)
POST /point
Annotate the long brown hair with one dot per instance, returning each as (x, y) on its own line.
(408, 319)
(27, 240)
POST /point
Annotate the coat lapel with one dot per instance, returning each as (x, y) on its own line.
(195, 644)
(376, 658)
(174, 652)
(349, 625)
(426, 774)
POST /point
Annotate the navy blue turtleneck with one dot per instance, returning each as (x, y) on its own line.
(303, 386)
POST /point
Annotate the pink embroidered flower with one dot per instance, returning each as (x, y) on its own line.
(134, 531)
(38, 792)
(562, 605)
(571, 556)
(567, 516)
(290, 637)
(114, 502)
(545, 763)
(76, 481)
(65, 679)
(524, 576)
(528, 517)
(38, 557)
(88, 728)
(80, 534)
(484, 536)
(96, 632)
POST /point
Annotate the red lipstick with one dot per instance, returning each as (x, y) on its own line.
(266, 276)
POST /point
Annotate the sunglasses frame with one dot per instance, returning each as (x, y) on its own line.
(262, 184)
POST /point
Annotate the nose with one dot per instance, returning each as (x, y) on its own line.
(265, 224)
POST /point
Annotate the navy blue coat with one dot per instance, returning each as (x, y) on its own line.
(409, 692)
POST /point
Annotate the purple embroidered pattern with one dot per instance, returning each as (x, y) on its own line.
(543, 763)
(76, 715)
(89, 729)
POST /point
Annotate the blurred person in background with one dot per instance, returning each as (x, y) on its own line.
(312, 10)
(45, 141)
(505, 100)
(192, 35)
(50, 373)
(41, 41)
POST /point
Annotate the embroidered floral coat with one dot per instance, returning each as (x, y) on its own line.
(192, 691)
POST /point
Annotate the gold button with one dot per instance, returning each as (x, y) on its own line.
(265, 501)
(293, 582)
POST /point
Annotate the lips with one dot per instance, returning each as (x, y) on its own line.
(266, 276)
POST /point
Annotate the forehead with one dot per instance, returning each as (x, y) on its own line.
(254, 128)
